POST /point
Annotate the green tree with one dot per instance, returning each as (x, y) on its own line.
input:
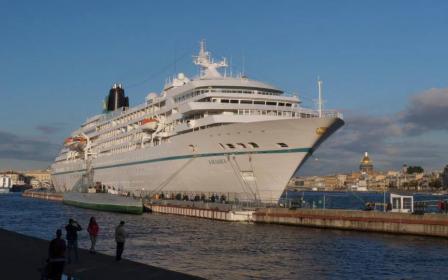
(414, 169)
(435, 184)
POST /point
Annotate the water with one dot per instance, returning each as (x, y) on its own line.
(221, 250)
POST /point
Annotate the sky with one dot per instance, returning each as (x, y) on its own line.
(383, 64)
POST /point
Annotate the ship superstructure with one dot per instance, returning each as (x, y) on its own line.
(212, 135)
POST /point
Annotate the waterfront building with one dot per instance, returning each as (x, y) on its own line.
(445, 177)
(366, 164)
(39, 178)
(17, 178)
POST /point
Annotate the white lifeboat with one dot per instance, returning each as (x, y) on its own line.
(149, 124)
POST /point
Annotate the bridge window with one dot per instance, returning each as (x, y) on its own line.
(231, 146)
(241, 145)
(253, 145)
(282, 145)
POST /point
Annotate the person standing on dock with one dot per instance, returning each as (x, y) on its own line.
(93, 230)
(56, 257)
(72, 238)
(120, 237)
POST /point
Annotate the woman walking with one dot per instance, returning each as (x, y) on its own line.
(93, 230)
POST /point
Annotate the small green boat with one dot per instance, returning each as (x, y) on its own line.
(104, 202)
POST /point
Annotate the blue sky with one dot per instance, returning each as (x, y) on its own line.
(59, 58)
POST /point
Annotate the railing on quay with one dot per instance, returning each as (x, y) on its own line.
(353, 201)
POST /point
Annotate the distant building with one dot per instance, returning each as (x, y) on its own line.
(445, 177)
(404, 169)
(39, 178)
(366, 165)
(16, 177)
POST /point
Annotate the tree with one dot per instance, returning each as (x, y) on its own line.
(435, 184)
(414, 169)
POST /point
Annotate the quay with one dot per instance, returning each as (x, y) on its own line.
(54, 196)
(428, 224)
(199, 209)
(372, 221)
(22, 257)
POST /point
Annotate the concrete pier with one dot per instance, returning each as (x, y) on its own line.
(212, 211)
(397, 223)
(43, 195)
(23, 256)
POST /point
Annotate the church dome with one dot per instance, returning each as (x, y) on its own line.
(366, 164)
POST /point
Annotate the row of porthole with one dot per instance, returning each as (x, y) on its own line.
(252, 145)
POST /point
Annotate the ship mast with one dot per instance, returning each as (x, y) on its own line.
(209, 68)
(319, 100)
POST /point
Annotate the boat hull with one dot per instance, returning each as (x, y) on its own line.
(104, 202)
(196, 162)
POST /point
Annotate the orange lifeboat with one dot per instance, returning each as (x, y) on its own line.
(75, 143)
(149, 124)
(68, 141)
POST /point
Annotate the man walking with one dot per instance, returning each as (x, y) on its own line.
(56, 257)
(120, 237)
(72, 239)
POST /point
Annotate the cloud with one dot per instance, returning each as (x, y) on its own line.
(426, 111)
(52, 128)
(13, 146)
(392, 140)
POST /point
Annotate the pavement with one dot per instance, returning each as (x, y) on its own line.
(23, 257)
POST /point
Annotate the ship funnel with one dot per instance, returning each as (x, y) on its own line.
(116, 98)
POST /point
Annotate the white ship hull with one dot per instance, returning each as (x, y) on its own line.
(195, 163)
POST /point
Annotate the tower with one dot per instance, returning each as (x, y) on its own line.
(445, 177)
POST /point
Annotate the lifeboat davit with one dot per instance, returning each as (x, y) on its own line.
(77, 143)
(149, 124)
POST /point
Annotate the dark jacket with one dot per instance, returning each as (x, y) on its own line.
(72, 231)
(56, 251)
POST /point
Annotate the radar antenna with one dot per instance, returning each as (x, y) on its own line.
(209, 68)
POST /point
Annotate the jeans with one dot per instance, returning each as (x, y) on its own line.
(55, 270)
(93, 243)
(120, 248)
(72, 246)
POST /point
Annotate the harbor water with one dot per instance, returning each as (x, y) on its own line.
(222, 250)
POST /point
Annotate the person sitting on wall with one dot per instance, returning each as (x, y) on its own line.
(368, 206)
(441, 206)
(388, 207)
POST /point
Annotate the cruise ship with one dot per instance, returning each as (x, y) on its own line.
(209, 135)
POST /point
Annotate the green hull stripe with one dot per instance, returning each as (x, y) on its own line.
(106, 207)
(285, 151)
